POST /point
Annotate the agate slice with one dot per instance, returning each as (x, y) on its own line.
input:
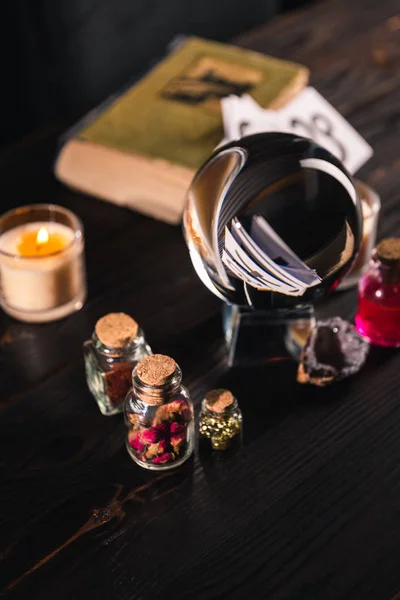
(334, 350)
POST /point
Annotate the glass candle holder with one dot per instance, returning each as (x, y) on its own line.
(370, 205)
(42, 269)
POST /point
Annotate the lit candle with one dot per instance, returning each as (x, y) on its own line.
(41, 263)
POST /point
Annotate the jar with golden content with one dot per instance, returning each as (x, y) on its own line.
(220, 422)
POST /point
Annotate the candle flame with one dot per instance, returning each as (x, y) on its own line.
(42, 236)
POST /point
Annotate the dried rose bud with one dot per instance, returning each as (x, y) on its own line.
(162, 429)
(186, 413)
(164, 458)
(176, 406)
(149, 436)
(135, 443)
(161, 415)
(181, 408)
(162, 446)
(158, 448)
(177, 440)
(171, 411)
(177, 428)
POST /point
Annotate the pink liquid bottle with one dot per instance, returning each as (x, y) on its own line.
(378, 315)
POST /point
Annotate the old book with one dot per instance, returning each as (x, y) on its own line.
(142, 148)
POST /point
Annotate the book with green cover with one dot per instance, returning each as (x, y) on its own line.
(143, 148)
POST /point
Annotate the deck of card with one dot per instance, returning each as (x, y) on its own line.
(262, 260)
(308, 115)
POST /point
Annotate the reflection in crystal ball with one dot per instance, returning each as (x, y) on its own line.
(299, 189)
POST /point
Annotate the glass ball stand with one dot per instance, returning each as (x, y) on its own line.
(256, 337)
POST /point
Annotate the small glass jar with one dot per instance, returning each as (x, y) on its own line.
(220, 420)
(378, 314)
(159, 415)
(117, 345)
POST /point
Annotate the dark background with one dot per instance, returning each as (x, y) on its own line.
(62, 57)
(310, 507)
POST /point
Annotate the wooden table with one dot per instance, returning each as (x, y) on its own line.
(310, 507)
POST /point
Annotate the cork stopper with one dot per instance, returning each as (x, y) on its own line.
(156, 369)
(388, 250)
(116, 330)
(219, 400)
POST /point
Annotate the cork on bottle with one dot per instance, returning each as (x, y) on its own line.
(116, 330)
(156, 369)
(388, 251)
(219, 400)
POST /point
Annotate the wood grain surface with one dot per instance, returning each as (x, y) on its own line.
(310, 507)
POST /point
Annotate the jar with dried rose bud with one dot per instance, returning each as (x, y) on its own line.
(117, 345)
(220, 424)
(159, 415)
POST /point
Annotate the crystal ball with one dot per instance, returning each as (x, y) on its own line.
(307, 205)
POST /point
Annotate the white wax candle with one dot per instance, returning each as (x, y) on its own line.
(38, 283)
